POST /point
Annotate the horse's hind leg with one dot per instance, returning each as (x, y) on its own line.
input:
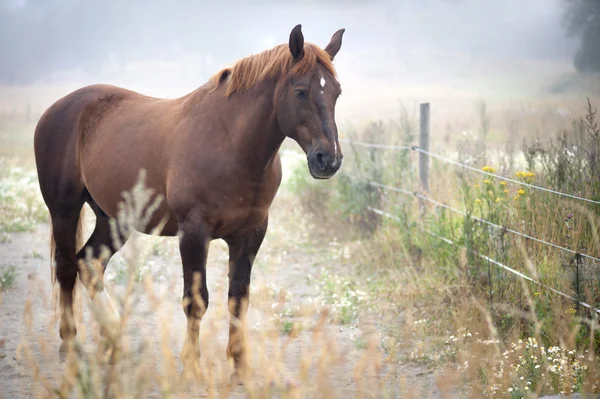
(65, 227)
(94, 256)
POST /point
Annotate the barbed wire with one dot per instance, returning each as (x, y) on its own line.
(418, 195)
(515, 232)
(373, 145)
(396, 189)
(461, 165)
(491, 260)
(415, 148)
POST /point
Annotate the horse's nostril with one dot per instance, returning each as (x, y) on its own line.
(319, 158)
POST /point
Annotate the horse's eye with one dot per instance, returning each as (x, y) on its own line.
(301, 93)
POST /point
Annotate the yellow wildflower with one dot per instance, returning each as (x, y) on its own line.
(490, 192)
(526, 175)
(486, 181)
(516, 197)
(503, 183)
(505, 191)
(497, 199)
(489, 169)
(521, 191)
(478, 200)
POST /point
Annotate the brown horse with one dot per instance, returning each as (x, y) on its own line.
(212, 158)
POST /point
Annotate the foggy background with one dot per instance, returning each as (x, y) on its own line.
(391, 49)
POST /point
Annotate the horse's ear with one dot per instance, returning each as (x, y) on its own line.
(297, 42)
(335, 44)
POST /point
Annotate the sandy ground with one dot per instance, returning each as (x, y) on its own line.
(155, 325)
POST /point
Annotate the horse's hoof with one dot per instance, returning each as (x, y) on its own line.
(64, 348)
(236, 380)
(109, 349)
(66, 345)
(238, 376)
(191, 369)
(114, 354)
(192, 372)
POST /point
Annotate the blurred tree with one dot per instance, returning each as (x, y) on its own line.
(582, 19)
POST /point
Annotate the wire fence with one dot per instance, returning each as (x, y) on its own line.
(491, 260)
(420, 196)
(461, 165)
(373, 145)
(497, 226)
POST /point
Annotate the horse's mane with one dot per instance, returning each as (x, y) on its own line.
(250, 70)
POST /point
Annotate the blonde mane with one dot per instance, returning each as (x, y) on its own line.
(250, 70)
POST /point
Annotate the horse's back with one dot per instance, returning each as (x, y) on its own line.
(58, 125)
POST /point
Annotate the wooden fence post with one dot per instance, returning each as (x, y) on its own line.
(424, 145)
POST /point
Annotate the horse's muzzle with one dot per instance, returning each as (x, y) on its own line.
(323, 165)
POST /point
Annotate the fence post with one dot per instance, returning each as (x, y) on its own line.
(424, 145)
(424, 158)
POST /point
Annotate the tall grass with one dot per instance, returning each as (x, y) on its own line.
(529, 340)
(291, 357)
(485, 331)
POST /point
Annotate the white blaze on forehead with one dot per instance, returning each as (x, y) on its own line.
(322, 82)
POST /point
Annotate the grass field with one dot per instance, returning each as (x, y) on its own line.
(311, 330)
(489, 331)
(343, 302)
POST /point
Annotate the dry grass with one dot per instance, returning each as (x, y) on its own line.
(151, 368)
(407, 300)
(438, 293)
(513, 348)
(295, 345)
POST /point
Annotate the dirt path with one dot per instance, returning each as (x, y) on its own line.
(284, 311)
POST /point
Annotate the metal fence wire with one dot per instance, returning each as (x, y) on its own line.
(422, 197)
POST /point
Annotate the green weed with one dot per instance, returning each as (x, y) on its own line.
(8, 277)
(21, 204)
(409, 264)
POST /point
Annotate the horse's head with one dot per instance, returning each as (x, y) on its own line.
(306, 101)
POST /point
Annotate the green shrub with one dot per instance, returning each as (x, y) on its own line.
(8, 277)
(21, 203)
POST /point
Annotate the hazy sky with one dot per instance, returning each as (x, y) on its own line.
(388, 45)
(411, 35)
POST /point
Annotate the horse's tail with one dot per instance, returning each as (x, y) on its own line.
(78, 246)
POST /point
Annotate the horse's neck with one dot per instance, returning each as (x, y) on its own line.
(251, 125)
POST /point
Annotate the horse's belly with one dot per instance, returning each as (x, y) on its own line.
(148, 217)
(144, 208)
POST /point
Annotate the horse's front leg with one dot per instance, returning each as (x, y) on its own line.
(193, 246)
(242, 251)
